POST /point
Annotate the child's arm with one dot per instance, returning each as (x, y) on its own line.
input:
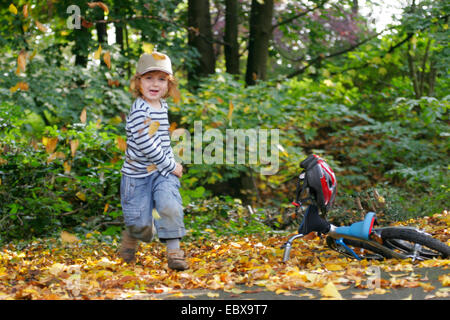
(150, 146)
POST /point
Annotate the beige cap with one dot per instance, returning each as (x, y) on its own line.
(155, 61)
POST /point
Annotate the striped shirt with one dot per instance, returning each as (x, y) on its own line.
(148, 149)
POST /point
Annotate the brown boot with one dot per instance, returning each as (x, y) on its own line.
(175, 259)
(128, 247)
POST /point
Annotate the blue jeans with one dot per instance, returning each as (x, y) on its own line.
(140, 195)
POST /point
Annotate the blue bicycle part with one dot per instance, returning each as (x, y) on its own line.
(359, 229)
(349, 250)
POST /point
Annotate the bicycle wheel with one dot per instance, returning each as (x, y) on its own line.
(362, 248)
(413, 243)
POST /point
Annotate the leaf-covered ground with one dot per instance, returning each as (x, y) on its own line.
(68, 268)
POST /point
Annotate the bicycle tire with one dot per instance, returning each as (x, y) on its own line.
(404, 238)
(370, 252)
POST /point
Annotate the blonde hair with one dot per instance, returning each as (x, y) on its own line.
(172, 91)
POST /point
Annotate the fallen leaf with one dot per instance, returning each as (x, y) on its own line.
(68, 237)
(330, 291)
(212, 295)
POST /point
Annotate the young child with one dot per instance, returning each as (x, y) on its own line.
(150, 175)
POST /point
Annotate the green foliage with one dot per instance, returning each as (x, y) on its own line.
(222, 216)
(43, 190)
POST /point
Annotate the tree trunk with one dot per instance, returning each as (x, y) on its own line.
(200, 37)
(260, 34)
(231, 37)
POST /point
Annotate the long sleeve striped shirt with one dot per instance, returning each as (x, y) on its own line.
(148, 150)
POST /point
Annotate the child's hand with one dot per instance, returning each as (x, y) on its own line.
(178, 170)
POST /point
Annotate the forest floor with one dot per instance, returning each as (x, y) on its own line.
(248, 267)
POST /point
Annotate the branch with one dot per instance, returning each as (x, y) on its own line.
(301, 14)
(337, 53)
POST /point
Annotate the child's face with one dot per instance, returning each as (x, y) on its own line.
(154, 85)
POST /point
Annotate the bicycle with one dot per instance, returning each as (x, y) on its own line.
(359, 240)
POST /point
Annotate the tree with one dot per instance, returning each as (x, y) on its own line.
(200, 38)
(231, 37)
(260, 34)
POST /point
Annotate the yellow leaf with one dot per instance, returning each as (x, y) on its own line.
(212, 295)
(50, 144)
(158, 56)
(148, 47)
(15, 88)
(121, 144)
(153, 128)
(74, 146)
(445, 280)
(56, 268)
(80, 195)
(230, 110)
(279, 291)
(98, 53)
(12, 8)
(107, 59)
(155, 214)
(68, 237)
(83, 116)
(67, 167)
(333, 267)
(330, 291)
(40, 26)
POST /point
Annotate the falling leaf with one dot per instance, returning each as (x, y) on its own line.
(158, 56)
(12, 8)
(68, 237)
(172, 127)
(25, 10)
(230, 110)
(155, 214)
(67, 167)
(74, 146)
(40, 26)
(330, 291)
(148, 47)
(107, 59)
(83, 116)
(86, 24)
(101, 5)
(22, 60)
(98, 53)
(121, 144)
(153, 128)
(80, 195)
(50, 144)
